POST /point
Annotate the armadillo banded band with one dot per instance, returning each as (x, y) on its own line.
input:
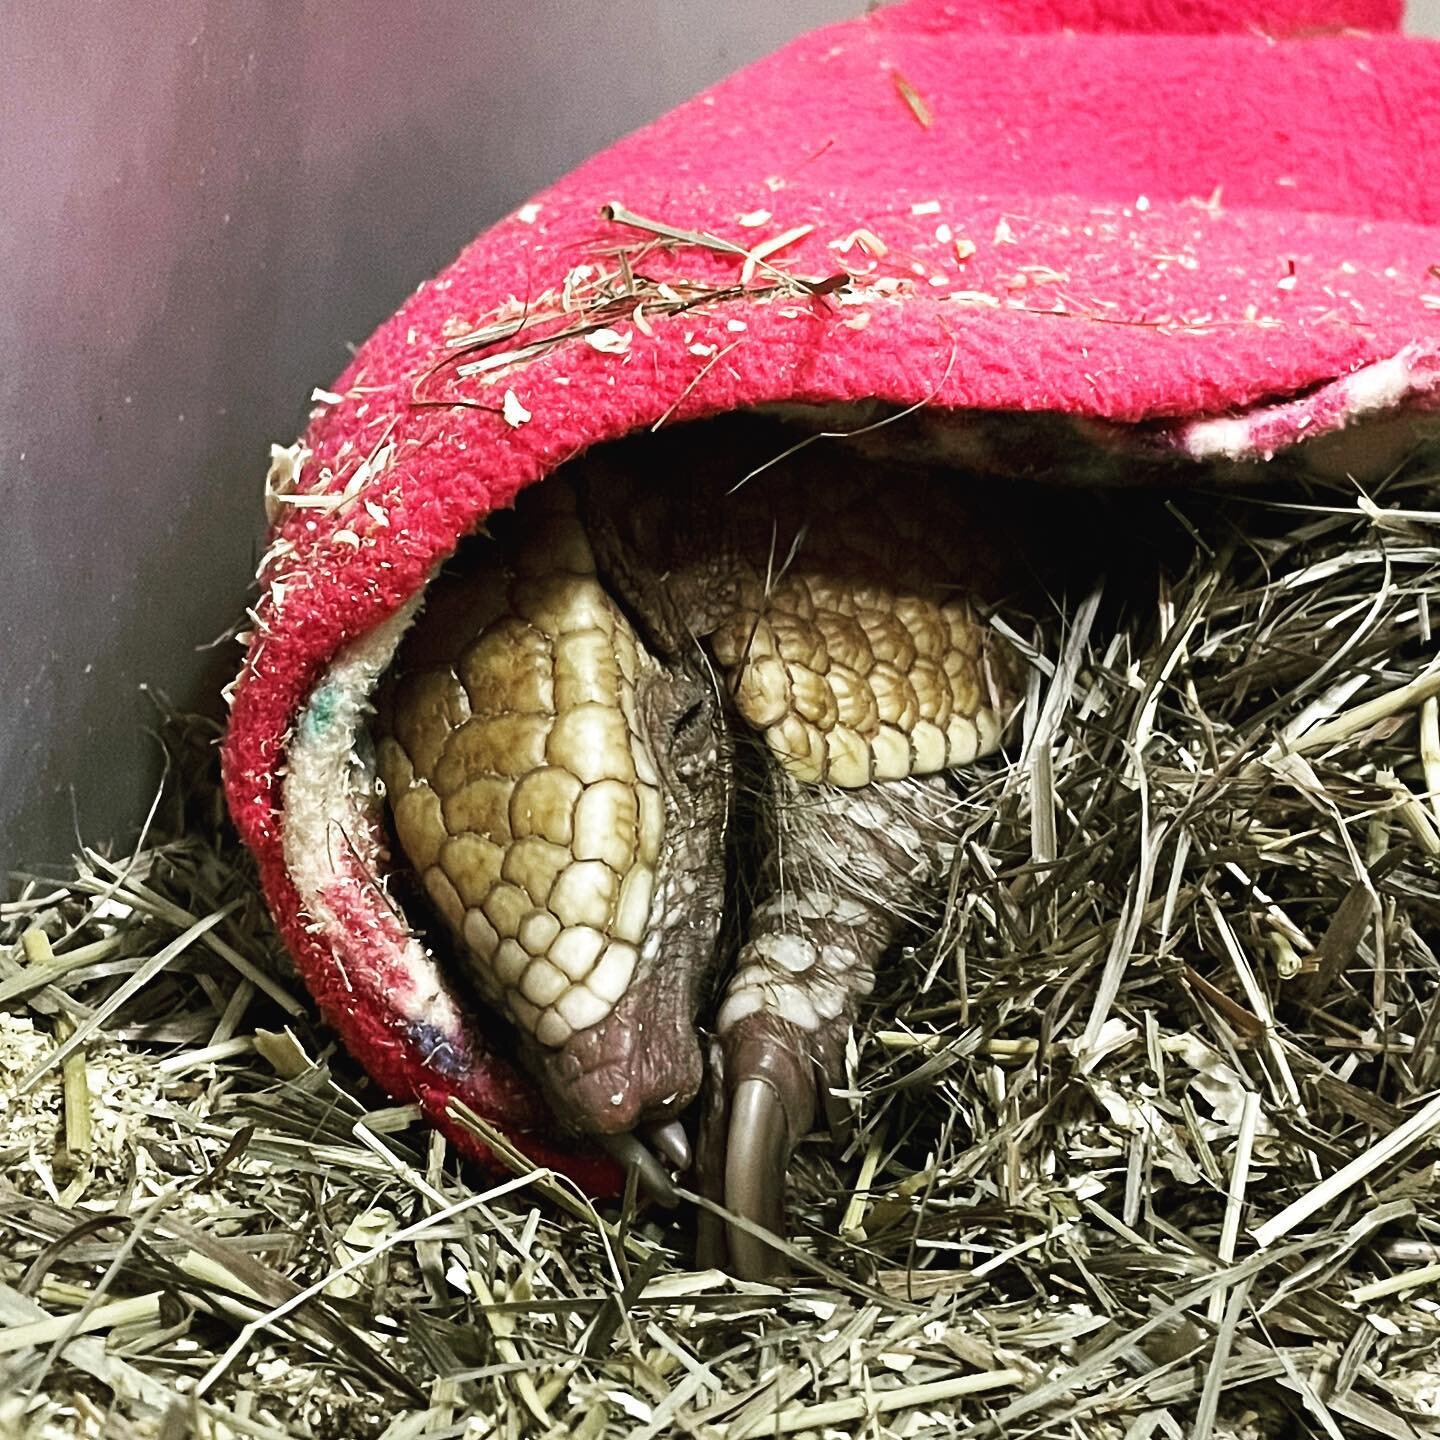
(853, 683)
(522, 786)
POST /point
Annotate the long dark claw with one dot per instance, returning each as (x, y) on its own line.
(673, 1143)
(712, 1138)
(830, 1075)
(761, 1100)
(627, 1151)
(757, 1155)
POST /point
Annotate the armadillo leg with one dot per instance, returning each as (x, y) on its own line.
(847, 872)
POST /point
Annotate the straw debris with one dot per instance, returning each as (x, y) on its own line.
(1145, 1134)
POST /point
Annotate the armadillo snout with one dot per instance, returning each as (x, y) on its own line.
(638, 1067)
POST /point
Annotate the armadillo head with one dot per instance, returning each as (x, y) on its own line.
(563, 797)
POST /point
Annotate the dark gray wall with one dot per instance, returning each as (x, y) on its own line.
(202, 203)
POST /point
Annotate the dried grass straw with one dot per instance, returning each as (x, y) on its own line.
(1146, 1130)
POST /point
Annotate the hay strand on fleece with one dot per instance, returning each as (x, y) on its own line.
(1145, 1127)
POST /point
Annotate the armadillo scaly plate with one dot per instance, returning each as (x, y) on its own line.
(552, 832)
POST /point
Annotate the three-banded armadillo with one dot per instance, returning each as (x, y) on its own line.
(556, 739)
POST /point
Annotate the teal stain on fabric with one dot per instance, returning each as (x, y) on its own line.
(320, 713)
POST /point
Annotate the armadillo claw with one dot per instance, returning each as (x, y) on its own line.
(673, 1144)
(628, 1152)
(757, 1154)
(668, 1150)
(766, 1076)
(711, 1251)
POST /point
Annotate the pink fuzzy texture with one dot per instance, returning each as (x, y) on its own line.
(1127, 210)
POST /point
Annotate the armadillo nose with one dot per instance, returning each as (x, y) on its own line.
(633, 1073)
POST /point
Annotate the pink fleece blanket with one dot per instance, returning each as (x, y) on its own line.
(1209, 226)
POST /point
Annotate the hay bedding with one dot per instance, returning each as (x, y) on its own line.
(1145, 1131)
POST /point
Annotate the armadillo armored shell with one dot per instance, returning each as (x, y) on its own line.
(523, 787)
(527, 790)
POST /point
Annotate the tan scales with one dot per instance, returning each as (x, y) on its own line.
(520, 782)
(523, 788)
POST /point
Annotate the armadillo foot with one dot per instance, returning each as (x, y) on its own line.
(847, 874)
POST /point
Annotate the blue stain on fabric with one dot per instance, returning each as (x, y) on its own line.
(435, 1045)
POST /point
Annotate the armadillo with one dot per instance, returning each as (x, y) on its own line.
(557, 740)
